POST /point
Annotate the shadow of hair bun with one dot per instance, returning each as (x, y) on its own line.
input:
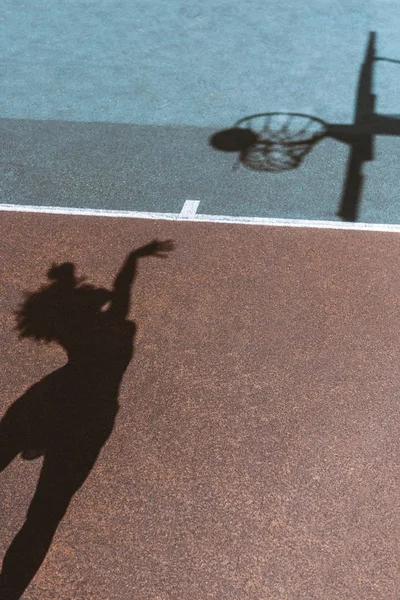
(64, 273)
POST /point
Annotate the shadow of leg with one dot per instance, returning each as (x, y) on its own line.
(24, 557)
(60, 478)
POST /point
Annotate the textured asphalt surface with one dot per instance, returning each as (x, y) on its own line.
(148, 82)
(255, 454)
(200, 63)
(150, 168)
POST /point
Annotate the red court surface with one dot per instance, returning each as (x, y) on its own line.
(256, 451)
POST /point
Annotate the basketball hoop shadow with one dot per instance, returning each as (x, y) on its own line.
(276, 142)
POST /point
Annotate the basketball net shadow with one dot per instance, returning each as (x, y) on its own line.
(276, 142)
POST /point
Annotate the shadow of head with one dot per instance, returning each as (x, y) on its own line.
(64, 302)
(235, 139)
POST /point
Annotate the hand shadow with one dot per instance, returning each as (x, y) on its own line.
(69, 414)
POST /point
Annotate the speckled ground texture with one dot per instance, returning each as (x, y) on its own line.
(150, 168)
(256, 452)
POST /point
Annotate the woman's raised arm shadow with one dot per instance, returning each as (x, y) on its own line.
(68, 415)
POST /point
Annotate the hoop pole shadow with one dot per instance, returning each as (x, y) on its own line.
(360, 135)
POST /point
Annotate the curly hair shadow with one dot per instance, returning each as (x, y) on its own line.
(45, 313)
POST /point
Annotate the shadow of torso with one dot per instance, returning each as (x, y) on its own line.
(67, 416)
(72, 410)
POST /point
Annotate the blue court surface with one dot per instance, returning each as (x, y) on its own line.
(110, 104)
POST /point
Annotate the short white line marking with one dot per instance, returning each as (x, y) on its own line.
(189, 208)
(128, 214)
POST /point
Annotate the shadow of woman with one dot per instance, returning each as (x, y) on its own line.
(68, 415)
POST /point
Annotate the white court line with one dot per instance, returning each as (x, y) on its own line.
(189, 208)
(195, 218)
